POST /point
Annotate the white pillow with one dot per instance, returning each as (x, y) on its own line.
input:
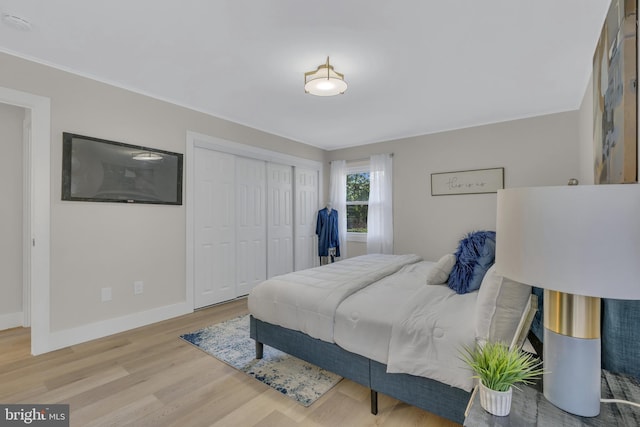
(499, 307)
(439, 273)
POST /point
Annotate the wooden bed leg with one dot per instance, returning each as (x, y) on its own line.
(259, 350)
(374, 402)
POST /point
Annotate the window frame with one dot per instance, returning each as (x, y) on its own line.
(360, 167)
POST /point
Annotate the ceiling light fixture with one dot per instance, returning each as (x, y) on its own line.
(16, 22)
(147, 156)
(324, 81)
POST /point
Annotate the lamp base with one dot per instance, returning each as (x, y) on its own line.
(573, 380)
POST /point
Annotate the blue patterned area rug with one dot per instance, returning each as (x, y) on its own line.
(230, 342)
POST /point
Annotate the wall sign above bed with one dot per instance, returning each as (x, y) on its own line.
(476, 181)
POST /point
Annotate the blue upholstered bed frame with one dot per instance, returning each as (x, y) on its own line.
(430, 395)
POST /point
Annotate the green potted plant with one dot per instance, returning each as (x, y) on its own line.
(498, 368)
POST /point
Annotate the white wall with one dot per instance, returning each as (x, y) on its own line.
(586, 149)
(95, 245)
(534, 152)
(11, 118)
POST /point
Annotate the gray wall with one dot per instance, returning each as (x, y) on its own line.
(11, 118)
(95, 245)
(534, 152)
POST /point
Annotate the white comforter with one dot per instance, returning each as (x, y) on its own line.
(426, 339)
(363, 321)
(306, 300)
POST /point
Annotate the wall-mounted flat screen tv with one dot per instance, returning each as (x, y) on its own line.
(97, 170)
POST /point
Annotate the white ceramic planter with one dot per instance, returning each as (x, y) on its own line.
(495, 402)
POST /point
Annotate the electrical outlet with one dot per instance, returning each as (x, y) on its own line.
(138, 287)
(106, 294)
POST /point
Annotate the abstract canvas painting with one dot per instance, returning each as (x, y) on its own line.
(615, 96)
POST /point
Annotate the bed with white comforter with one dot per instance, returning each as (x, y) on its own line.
(411, 327)
(374, 319)
(364, 320)
(307, 300)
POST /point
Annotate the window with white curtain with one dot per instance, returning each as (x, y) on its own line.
(368, 201)
(357, 203)
(380, 215)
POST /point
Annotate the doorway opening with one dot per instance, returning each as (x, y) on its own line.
(36, 213)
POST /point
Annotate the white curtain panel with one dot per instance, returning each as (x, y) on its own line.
(338, 198)
(380, 216)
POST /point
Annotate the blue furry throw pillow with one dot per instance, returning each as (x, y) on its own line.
(476, 253)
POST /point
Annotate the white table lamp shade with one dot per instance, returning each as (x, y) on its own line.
(582, 240)
(579, 243)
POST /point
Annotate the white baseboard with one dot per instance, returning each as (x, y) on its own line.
(92, 331)
(11, 320)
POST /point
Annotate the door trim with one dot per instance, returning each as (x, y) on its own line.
(26, 225)
(38, 166)
(195, 139)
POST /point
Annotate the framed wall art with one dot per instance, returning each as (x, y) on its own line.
(476, 181)
(615, 96)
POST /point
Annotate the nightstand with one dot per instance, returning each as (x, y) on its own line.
(530, 408)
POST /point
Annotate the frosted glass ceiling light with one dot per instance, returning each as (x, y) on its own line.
(324, 81)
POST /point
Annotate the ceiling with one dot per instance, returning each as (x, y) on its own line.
(413, 67)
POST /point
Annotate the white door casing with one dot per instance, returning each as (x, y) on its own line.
(26, 225)
(38, 167)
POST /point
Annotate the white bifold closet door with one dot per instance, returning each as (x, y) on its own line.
(244, 223)
(279, 219)
(230, 255)
(251, 261)
(305, 216)
(214, 227)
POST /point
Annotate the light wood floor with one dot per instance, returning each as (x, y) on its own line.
(150, 377)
